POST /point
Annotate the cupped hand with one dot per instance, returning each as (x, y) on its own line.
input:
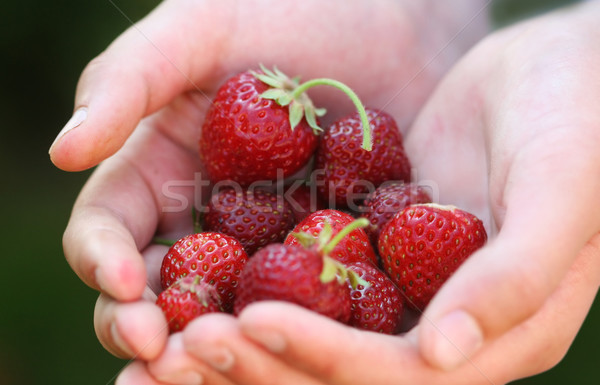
(510, 134)
(140, 103)
(517, 130)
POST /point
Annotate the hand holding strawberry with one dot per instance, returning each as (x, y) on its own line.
(507, 157)
(488, 141)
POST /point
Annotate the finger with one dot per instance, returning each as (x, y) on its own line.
(102, 238)
(324, 350)
(153, 257)
(142, 71)
(126, 201)
(313, 343)
(176, 366)
(560, 317)
(136, 373)
(131, 329)
(336, 354)
(217, 341)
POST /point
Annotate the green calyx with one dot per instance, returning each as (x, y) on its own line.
(202, 293)
(325, 242)
(290, 92)
(329, 244)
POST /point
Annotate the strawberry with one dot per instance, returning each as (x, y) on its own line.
(381, 205)
(217, 259)
(378, 307)
(254, 217)
(346, 171)
(303, 274)
(354, 247)
(246, 137)
(261, 125)
(294, 274)
(187, 299)
(303, 201)
(422, 246)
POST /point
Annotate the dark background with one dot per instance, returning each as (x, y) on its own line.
(46, 331)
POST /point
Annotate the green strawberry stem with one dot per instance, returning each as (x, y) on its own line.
(197, 219)
(367, 143)
(326, 244)
(358, 223)
(163, 241)
(289, 92)
(333, 268)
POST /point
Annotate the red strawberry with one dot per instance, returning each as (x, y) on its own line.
(347, 171)
(383, 203)
(247, 137)
(303, 201)
(378, 307)
(217, 259)
(422, 246)
(354, 247)
(187, 299)
(293, 274)
(254, 217)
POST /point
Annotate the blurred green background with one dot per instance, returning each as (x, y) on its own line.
(46, 332)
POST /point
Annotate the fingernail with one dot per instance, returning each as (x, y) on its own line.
(458, 338)
(117, 340)
(271, 340)
(99, 279)
(78, 117)
(183, 378)
(220, 358)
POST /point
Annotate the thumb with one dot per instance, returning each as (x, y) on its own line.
(140, 72)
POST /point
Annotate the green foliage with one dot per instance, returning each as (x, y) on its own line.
(46, 329)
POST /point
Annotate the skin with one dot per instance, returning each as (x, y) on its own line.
(514, 130)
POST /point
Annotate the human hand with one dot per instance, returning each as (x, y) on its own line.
(165, 69)
(511, 134)
(519, 129)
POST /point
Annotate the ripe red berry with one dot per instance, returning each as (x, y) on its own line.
(254, 217)
(293, 274)
(303, 201)
(346, 171)
(246, 137)
(217, 259)
(377, 307)
(187, 299)
(422, 246)
(354, 247)
(383, 203)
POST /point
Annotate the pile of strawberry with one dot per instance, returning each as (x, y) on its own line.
(356, 242)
